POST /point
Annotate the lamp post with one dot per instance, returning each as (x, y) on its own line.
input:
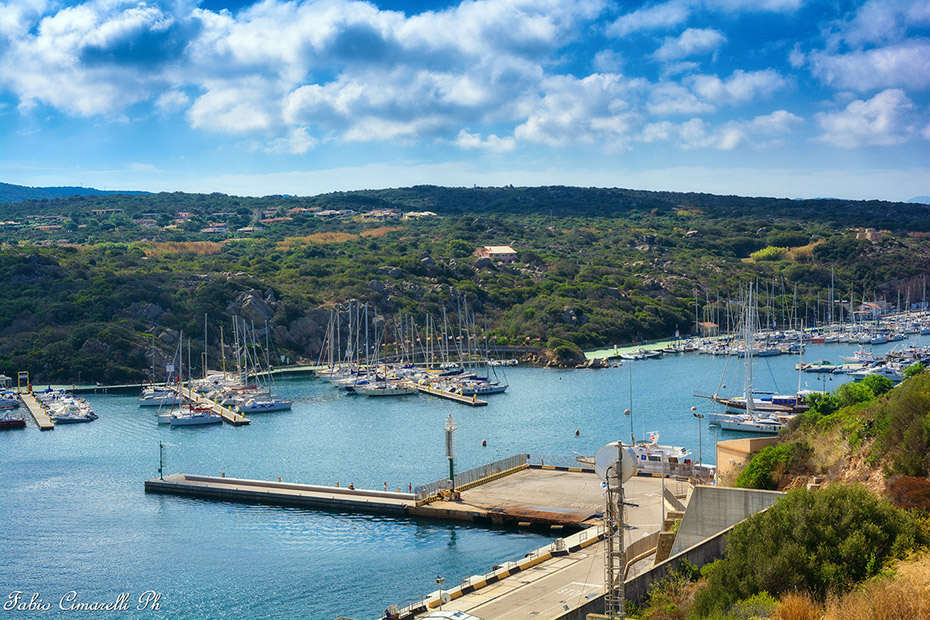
(439, 582)
(699, 416)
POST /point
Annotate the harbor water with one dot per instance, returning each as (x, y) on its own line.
(76, 518)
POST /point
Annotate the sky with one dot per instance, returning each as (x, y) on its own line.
(785, 98)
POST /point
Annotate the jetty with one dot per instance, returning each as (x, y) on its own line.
(37, 411)
(431, 390)
(509, 492)
(282, 493)
(227, 414)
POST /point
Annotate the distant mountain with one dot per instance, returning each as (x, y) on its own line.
(17, 193)
(921, 200)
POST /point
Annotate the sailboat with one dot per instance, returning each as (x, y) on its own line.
(753, 411)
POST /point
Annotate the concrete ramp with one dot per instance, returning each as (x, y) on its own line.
(713, 509)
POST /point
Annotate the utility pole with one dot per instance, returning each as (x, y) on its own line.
(450, 428)
(615, 557)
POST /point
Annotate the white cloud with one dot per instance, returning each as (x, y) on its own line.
(172, 101)
(734, 6)
(761, 131)
(664, 15)
(468, 140)
(608, 61)
(297, 142)
(886, 119)
(881, 22)
(233, 110)
(740, 87)
(670, 98)
(691, 41)
(905, 65)
(676, 12)
(582, 111)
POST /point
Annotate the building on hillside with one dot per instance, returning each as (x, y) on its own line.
(870, 234)
(105, 211)
(146, 222)
(415, 215)
(275, 220)
(384, 214)
(497, 253)
(872, 309)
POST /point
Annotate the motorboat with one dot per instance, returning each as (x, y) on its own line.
(262, 405)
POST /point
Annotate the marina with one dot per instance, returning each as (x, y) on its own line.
(88, 480)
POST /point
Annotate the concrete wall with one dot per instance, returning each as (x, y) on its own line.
(733, 454)
(714, 509)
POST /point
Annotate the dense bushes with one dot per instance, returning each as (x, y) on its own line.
(769, 465)
(816, 542)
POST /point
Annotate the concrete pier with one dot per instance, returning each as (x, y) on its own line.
(37, 411)
(282, 493)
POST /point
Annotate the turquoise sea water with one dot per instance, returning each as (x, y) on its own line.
(75, 516)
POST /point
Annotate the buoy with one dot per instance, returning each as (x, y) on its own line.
(577, 433)
(693, 408)
(484, 442)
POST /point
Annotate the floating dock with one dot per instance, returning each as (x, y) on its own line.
(430, 390)
(38, 413)
(228, 414)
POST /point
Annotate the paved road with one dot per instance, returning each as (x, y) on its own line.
(551, 588)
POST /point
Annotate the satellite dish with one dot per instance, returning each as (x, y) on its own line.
(607, 457)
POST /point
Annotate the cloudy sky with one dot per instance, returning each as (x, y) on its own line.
(795, 98)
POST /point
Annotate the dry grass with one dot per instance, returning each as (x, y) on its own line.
(905, 596)
(290, 243)
(795, 606)
(380, 232)
(804, 251)
(201, 248)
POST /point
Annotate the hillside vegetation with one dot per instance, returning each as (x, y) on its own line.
(596, 267)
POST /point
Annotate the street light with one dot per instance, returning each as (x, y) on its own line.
(440, 581)
(699, 416)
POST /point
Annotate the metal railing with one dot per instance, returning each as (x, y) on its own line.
(557, 460)
(472, 475)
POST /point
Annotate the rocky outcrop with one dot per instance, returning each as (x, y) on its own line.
(253, 307)
(145, 310)
(574, 316)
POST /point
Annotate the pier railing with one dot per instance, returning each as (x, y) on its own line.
(471, 476)
(557, 460)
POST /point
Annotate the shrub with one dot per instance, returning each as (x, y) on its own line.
(769, 253)
(813, 542)
(914, 369)
(769, 464)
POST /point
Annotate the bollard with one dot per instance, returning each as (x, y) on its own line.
(337, 484)
(222, 474)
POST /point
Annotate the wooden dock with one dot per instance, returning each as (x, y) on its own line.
(472, 401)
(38, 413)
(227, 414)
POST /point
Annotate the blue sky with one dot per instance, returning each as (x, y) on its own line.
(788, 98)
